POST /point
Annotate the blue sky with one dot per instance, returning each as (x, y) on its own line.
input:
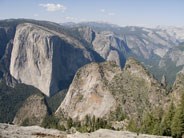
(121, 12)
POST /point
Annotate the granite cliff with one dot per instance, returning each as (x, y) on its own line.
(88, 94)
(103, 90)
(39, 58)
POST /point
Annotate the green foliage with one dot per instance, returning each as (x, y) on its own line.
(177, 127)
(169, 124)
(132, 126)
(50, 121)
(120, 115)
(91, 124)
(117, 115)
(167, 120)
(11, 99)
(80, 97)
(151, 124)
(25, 122)
(157, 130)
(55, 100)
(69, 122)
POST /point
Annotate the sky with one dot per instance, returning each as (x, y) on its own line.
(148, 13)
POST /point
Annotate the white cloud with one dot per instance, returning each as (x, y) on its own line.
(53, 7)
(102, 10)
(107, 13)
(111, 14)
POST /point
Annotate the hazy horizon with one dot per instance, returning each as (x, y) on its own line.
(120, 12)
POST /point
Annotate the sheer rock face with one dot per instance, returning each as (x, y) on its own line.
(31, 61)
(32, 112)
(6, 45)
(45, 59)
(6, 36)
(102, 89)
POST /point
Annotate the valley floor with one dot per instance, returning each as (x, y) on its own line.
(13, 131)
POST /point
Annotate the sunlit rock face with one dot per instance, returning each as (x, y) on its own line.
(45, 59)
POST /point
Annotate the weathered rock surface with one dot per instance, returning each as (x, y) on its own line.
(13, 131)
(45, 59)
(105, 133)
(110, 47)
(101, 89)
(88, 94)
(32, 112)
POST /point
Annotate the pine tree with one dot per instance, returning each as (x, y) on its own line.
(132, 126)
(177, 127)
(157, 129)
(69, 122)
(167, 121)
(148, 124)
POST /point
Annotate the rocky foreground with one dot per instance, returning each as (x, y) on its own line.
(13, 131)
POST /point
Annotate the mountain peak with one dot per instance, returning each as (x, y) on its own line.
(96, 84)
(88, 94)
(136, 68)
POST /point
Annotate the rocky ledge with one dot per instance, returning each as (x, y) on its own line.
(13, 131)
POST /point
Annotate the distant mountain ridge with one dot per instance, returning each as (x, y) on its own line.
(89, 42)
(149, 45)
